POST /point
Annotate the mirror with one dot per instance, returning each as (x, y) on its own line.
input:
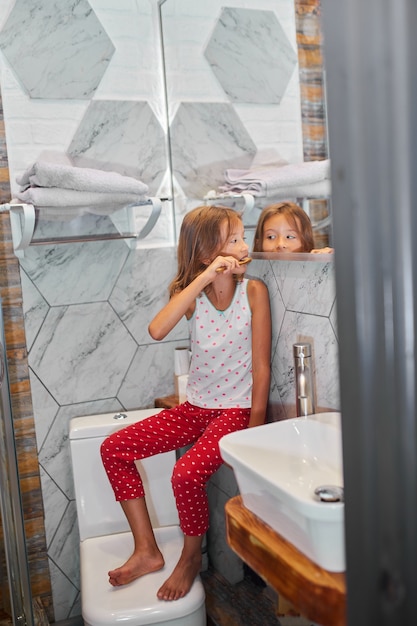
(244, 91)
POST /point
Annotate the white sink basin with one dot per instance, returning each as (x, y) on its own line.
(278, 466)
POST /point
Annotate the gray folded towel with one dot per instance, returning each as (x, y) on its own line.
(46, 174)
(285, 181)
(78, 202)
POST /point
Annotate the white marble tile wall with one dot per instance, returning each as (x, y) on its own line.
(250, 55)
(60, 128)
(121, 136)
(190, 77)
(72, 39)
(198, 166)
(217, 67)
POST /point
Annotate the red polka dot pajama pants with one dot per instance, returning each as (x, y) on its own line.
(168, 430)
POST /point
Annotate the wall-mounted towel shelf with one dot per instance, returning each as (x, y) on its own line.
(82, 238)
(248, 199)
(249, 202)
(23, 220)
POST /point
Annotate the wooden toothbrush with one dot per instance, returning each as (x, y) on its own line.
(241, 262)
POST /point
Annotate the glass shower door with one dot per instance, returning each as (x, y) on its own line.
(11, 504)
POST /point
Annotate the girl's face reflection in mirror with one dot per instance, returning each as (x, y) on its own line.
(280, 235)
(283, 227)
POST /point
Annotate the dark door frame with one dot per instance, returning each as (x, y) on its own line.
(371, 60)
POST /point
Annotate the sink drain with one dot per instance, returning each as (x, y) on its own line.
(329, 493)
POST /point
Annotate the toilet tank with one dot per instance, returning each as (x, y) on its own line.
(97, 510)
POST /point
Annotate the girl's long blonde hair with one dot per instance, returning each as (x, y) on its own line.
(297, 216)
(200, 241)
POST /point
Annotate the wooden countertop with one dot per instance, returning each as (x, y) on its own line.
(166, 402)
(319, 595)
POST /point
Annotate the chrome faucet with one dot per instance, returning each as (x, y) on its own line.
(303, 379)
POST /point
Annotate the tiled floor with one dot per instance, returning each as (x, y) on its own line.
(248, 603)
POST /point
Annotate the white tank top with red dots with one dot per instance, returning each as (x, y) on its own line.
(220, 373)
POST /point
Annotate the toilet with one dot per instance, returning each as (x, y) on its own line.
(106, 541)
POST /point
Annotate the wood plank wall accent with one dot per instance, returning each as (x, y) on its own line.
(21, 400)
(313, 97)
(312, 83)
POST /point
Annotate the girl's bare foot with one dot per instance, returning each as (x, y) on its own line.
(136, 566)
(180, 582)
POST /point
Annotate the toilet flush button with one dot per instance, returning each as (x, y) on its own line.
(120, 416)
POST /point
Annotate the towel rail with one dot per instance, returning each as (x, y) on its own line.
(248, 199)
(82, 238)
(249, 204)
(23, 218)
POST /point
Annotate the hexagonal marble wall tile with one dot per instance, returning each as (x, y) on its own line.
(45, 409)
(57, 49)
(124, 137)
(54, 455)
(262, 268)
(150, 375)
(75, 273)
(136, 302)
(35, 308)
(251, 56)
(319, 332)
(82, 353)
(307, 286)
(222, 142)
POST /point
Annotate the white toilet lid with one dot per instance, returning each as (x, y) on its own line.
(136, 603)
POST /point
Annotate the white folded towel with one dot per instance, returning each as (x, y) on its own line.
(46, 174)
(66, 214)
(321, 189)
(268, 181)
(78, 202)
